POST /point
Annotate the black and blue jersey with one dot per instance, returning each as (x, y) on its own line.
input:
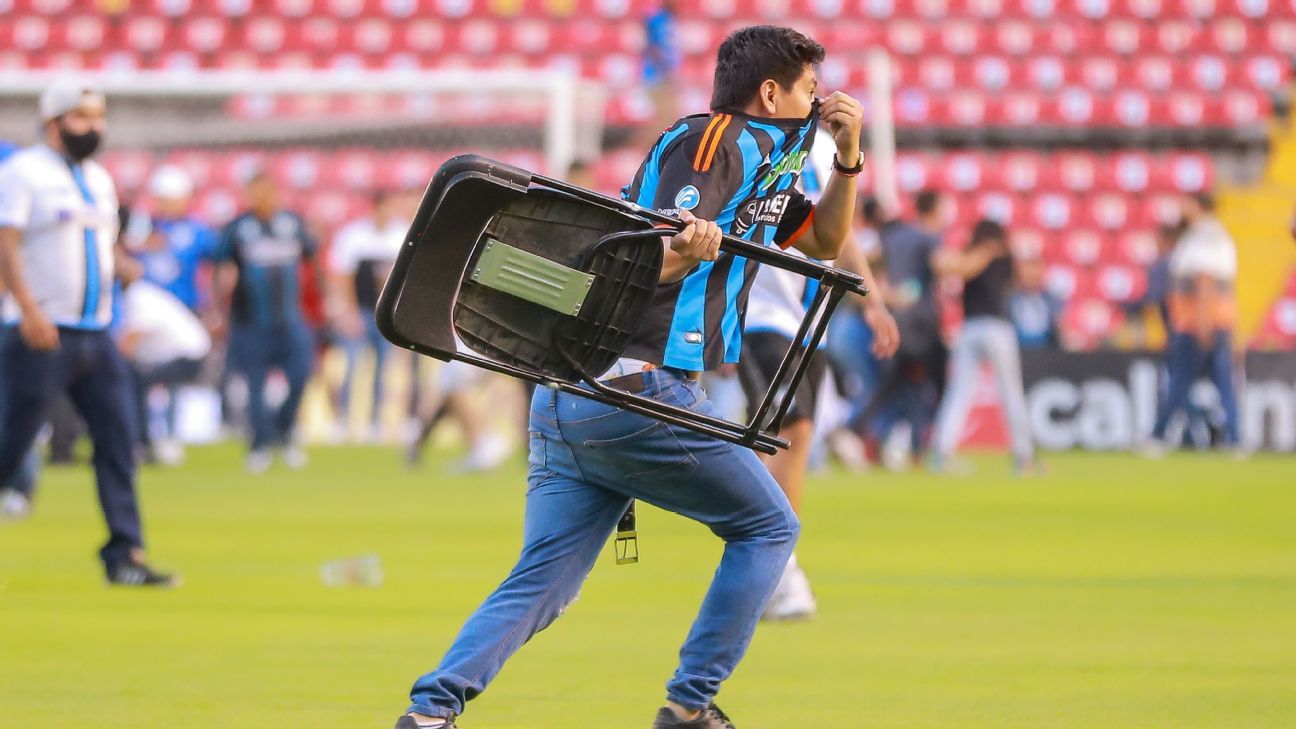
(739, 171)
(269, 254)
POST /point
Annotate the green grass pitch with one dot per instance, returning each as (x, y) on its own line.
(1113, 592)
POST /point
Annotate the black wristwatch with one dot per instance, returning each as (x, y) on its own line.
(849, 171)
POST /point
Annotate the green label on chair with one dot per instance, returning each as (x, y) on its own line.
(533, 278)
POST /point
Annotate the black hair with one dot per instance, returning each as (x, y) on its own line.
(926, 201)
(1205, 201)
(871, 209)
(988, 231)
(751, 55)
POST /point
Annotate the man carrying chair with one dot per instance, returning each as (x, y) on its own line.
(734, 172)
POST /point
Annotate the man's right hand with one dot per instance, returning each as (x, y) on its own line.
(699, 241)
(38, 332)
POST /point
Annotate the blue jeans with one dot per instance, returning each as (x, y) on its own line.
(87, 366)
(588, 460)
(253, 350)
(371, 339)
(1186, 360)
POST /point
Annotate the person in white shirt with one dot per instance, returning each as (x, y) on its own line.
(777, 305)
(359, 262)
(165, 344)
(58, 225)
(1203, 313)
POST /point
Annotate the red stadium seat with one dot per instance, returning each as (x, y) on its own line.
(1001, 207)
(1036, 9)
(1132, 109)
(30, 33)
(217, 204)
(1046, 73)
(913, 107)
(992, 73)
(129, 168)
(937, 73)
(172, 8)
(909, 38)
(371, 36)
(1280, 37)
(263, 35)
(146, 34)
(1155, 73)
(961, 172)
(1143, 9)
(204, 34)
(422, 36)
(1014, 37)
(1052, 211)
(1138, 247)
(1173, 36)
(962, 109)
(1199, 9)
(1061, 279)
(1266, 73)
(1128, 172)
(1077, 171)
(1125, 37)
(295, 8)
(1209, 73)
(1016, 171)
(299, 169)
(1188, 172)
(1109, 211)
(1091, 9)
(1101, 73)
(912, 172)
(84, 33)
(1016, 109)
(1121, 283)
(1231, 36)
(1158, 209)
(961, 37)
(1184, 109)
(1075, 107)
(1081, 247)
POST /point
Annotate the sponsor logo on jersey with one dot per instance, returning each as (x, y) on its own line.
(687, 198)
(768, 211)
(791, 164)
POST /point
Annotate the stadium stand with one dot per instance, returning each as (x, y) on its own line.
(1066, 119)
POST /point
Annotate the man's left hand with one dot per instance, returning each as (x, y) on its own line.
(845, 118)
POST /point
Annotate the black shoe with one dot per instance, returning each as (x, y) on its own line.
(131, 573)
(710, 718)
(408, 722)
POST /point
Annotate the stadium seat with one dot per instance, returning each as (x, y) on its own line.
(1109, 211)
(204, 34)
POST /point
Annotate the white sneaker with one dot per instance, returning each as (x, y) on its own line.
(493, 451)
(294, 457)
(1152, 449)
(169, 452)
(258, 461)
(14, 506)
(849, 449)
(793, 599)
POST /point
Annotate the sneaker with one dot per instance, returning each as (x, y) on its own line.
(135, 573)
(793, 599)
(1153, 449)
(710, 718)
(169, 452)
(409, 722)
(14, 506)
(259, 461)
(294, 457)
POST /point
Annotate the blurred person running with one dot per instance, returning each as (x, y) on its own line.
(778, 303)
(260, 257)
(986, 268)
(58, 230)
(590, 461)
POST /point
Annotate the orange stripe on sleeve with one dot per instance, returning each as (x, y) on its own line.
(715, 143)
(805, 225)
(697, 158)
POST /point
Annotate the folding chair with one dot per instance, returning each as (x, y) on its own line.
(547, 282)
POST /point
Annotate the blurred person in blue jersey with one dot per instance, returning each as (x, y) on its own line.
(1036, 312)
(778, 303)
(170, 244)
(732, 170)
(359, 261)
(661, 62)
(985, 267)
(58, 230)
(260, 259)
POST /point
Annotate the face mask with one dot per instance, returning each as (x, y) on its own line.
(79, 146)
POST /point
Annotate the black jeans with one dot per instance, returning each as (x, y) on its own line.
(87, 366)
